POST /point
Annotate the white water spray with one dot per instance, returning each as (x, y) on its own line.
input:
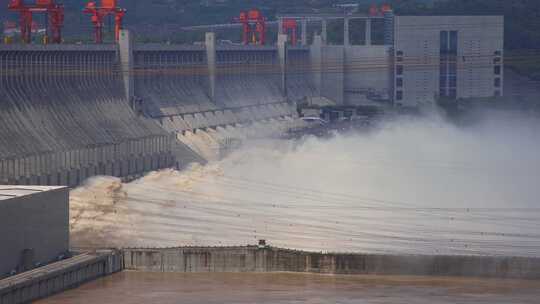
(411, 186)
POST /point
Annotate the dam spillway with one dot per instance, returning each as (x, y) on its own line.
(74, 111)
(65, 117)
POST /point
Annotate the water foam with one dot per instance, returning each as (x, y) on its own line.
(410, 186)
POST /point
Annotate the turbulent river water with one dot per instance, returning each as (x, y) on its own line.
(209, 288)
(407, 186)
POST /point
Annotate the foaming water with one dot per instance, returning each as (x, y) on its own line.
(409, 186)
(209, 143)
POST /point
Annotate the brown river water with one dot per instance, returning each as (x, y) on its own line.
(141, 287)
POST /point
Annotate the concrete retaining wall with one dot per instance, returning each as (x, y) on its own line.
(58, 277)
(253, 259)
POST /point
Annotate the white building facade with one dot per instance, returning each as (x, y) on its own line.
(447, 57)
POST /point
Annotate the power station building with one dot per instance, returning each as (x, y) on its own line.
(34, 225)
(447, 57)
(422, 59)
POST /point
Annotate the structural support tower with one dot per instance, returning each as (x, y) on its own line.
(253, 27)
(98, 14)
(55, 18)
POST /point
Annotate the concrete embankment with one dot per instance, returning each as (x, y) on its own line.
(68, 274)
(254, 259)
(54, 278)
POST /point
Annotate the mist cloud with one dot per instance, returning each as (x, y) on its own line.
(409, 185)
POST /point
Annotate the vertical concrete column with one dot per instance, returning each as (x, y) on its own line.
(324, 31)
(368, 31)
(126, 62)
(280, 26)
(346, 40)
(210, 43)
(502, 71)
(282, 57)
(304, 32)
(316, 62)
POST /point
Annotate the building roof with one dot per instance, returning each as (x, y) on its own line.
(9, 192)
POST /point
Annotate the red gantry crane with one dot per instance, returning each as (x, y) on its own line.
(386, 8)
(108, 7)
(374, 11)
(290, 27)
(55, 18)
(254, 27)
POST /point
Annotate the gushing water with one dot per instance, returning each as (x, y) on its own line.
(409, 186)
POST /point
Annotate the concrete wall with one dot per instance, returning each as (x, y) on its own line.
(65, 117)
(171, 81)
(327, 66)
(248, 77)
(58, 277)
(418, 37)
(37, 220)
(351, 74)
(332, 86)
(176, 80)
(477, 46)
(300, 83)
(367, 74)
(253, 259)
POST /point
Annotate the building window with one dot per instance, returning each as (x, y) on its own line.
(497, 53)
(443, 81)
(444, 42)
(497, 70)
(497, 60)
(452, 81)
(497, 82)
(399, 69)
(448, 64)
(442, 91)
(399, 82)
(453, 43)
(452, 93)
(399, 95)
(399, 53)
(443, 67)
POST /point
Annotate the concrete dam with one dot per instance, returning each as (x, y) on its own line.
(123, 125)
(74, 111)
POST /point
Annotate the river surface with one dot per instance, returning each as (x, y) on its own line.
(141, 287)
